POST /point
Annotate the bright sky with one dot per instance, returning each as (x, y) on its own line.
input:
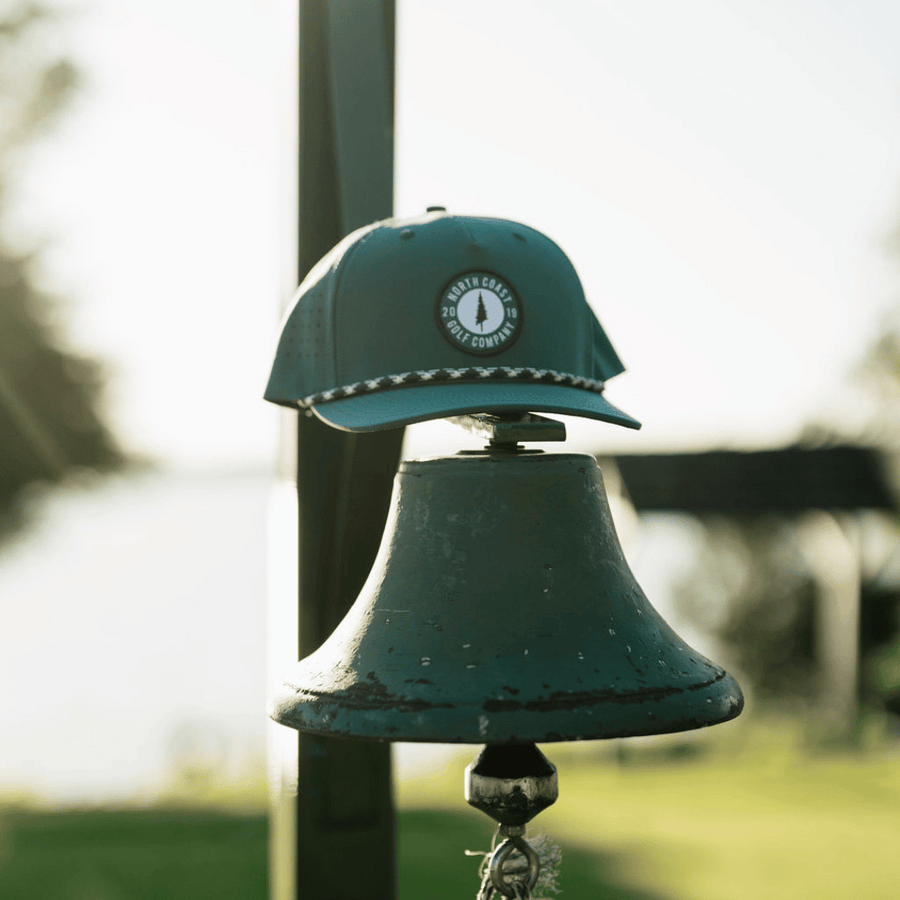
(723, 176)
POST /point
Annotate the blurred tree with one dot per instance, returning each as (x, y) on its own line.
(754, 594)
(753, 590)
(871, 406)
(50, 421)
(877, 378)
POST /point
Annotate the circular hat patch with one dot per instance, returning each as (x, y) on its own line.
(479, 312)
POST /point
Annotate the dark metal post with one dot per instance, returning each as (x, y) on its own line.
(342, 831)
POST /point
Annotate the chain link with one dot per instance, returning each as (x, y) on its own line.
(513, 879)
(486, 890)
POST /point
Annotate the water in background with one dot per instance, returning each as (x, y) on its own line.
(133, 638)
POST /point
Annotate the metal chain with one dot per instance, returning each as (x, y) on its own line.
(515, 881)
(486, 890)
(519, 891)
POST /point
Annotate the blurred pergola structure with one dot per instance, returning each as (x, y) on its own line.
(825, 488)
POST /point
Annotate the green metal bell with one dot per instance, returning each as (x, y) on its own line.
(500, 609)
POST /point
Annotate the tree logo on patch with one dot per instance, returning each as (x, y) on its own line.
(479, 312)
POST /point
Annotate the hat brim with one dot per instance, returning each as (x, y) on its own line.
(420, 402)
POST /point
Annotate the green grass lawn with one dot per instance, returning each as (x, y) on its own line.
(433, 864)
(195, 855)
(761, 820)
(756, 816)
(134, 854)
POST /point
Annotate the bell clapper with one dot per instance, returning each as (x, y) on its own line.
(511, 783)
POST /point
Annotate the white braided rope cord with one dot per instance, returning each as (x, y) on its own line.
(436, 376)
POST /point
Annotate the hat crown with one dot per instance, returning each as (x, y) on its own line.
(402, 299)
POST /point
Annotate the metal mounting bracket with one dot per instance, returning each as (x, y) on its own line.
(511, 428)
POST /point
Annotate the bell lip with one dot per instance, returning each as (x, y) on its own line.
(407, 405)
(416, 721)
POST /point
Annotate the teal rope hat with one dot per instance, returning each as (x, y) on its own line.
(407, 320)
